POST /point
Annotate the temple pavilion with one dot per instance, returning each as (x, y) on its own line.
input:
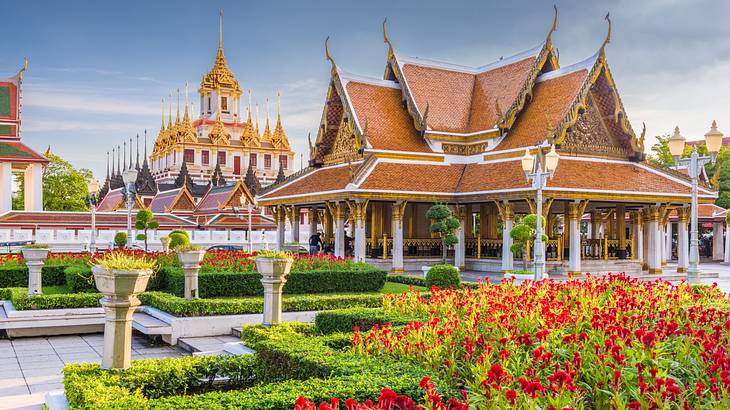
(433, 132)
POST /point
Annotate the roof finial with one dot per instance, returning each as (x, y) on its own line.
(220, 29)
(249, 105)
(22, 69)
(169, 123)
(113, 153)
(608, 35)
(554, 28)
(136, 164)
(423, 125)
(107, 165)
(177, 116)
(125, 155)
(257, 120)
(386, 40)
(119, 159)
(145, 144)
(130, 153)
(163, 114)
(278, 105)
(327, 53)
(187, 116)
(500, 115)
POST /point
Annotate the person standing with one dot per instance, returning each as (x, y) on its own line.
(315, 242)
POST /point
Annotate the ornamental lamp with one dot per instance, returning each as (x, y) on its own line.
(129, 176)
(528, 161)
(713, 139)
(93, 186)
(551, 160)
(676, 144)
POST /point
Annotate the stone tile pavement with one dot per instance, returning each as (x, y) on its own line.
(30, 367)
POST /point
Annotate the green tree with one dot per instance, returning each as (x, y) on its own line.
(444, 224)
(64, 187)
(523, 232)
(660, 151)
(144, 222)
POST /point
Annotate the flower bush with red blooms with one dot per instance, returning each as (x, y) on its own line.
(390, 400)
(612, 342)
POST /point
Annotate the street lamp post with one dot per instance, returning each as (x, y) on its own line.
(130, 177)
(533, 168)
(694, 164)
(92, 200)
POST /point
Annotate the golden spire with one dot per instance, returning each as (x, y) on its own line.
(186, 117)
(249, 136)
(279, 139)
(169, 123)
(267, 130)
(186, 132)
(220, 76)
(258, 133)
(177, 116)
(219, 134)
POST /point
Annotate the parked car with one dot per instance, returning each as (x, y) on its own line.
(225, 248)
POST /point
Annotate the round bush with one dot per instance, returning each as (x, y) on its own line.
(443, 276)
(178, 239)
(181, 232)
(120, 239)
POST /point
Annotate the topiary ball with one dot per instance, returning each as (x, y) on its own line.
(120, 239)
(443, 276)
(178, 239)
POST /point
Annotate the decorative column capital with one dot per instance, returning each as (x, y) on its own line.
(683, 214)
(399, 208)
(635, 217)
(576, 210)
(337, 209)
(652, 213)
(358, 209)
(279, 213)
(292, 212)
(505, 211)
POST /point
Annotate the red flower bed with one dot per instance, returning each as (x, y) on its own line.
(599, 343)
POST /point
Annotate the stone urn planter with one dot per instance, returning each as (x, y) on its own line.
(120, 289)
(274, 271)
(34, 259)
(165, 241)
(191, 260)
(519, 277)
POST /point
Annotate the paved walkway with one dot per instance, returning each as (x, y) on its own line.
(30, 367)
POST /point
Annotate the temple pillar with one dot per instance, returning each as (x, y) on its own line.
(468, 222)
(646, 236)
(683, 214)
(397, 229)
(337, 209)
(508, 216)
(33, 187)
(595, 224)
(621, 230)
(293, 216)
(280, 217)
(313, 215)
(575, 212)
(637, 235)
(717, 244)
(460, 247)
(654, 261)
(358, 210)
(667, 252)
(6, 187)
(328, 225)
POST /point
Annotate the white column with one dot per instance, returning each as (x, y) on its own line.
(667, 242)
(397, 252)
(359, 211)
(682, 239)
(717, 246)
(293, 213)
(646, 239)
(507, 215)
(339, 216)
(6, 187)
(726, 256)
(574, 261)
(280, 218)
(460, 247)
(655, 241)
(638, 230)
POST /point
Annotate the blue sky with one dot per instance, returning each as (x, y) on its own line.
(98, 69)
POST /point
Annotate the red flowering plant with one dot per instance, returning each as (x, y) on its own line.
(613, 342)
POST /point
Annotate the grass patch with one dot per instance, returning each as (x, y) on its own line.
(393, 287)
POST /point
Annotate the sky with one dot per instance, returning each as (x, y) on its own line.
(98, 70)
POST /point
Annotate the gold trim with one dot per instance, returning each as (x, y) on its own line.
(408, 156)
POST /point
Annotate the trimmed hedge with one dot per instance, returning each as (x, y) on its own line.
(345, 320)
(79, 278)
(443, 276)
(408, 280)
(289, 363)
(17, 276)
(178, 306)
(21, 300)
(222, 284)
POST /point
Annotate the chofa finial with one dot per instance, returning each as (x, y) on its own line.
(22, 70)
(386, 40)
(554, 28)
(327, 52)
(608, 35)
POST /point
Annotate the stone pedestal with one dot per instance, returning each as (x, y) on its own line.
(165, 241)
(191, 266)
(273, 277)
(34, 258)
(120, 290)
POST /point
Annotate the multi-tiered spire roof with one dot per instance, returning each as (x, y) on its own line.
(220, 76)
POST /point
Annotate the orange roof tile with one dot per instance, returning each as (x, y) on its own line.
(389, 127)
(551, 100)
(321, 180)
(414, 177)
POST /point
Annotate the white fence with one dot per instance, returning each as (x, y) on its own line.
(74, 240)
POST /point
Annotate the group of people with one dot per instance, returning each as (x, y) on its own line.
(317, 245)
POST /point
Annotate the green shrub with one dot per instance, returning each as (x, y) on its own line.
(408, 280)
(21, 300)
(181, 232)
(345, 320)
(178, 306)
(443, 276)
(17, 276)
(79, 278)
(227, 284)
(120, 239)
(177, 240)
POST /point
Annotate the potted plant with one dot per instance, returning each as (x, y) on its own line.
(273, 266)
(190, 257)
(34, 255)
(165, 241)
(120, 278)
